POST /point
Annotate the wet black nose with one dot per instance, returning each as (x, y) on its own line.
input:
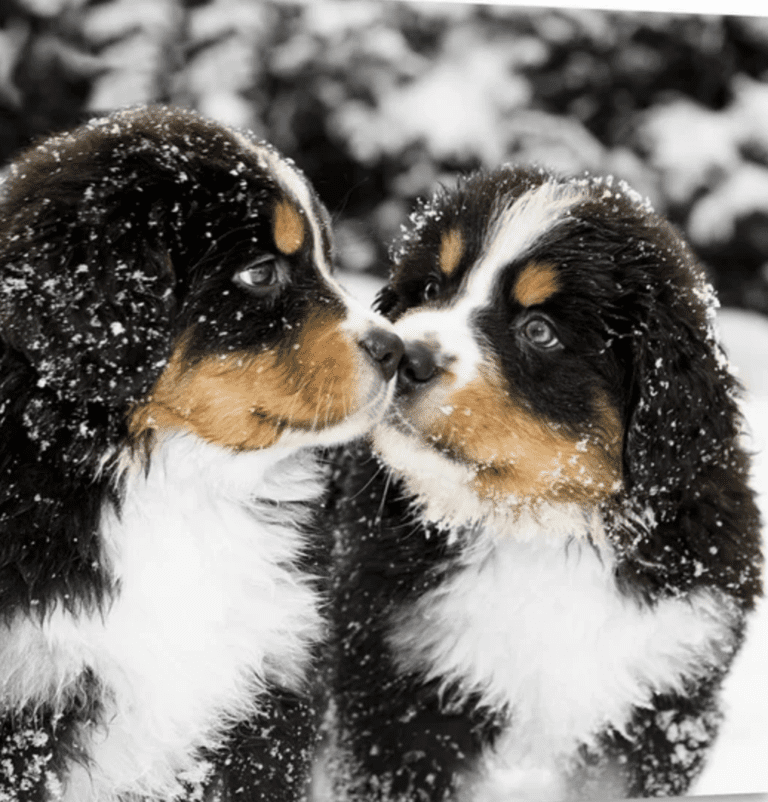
(417, 367)
(385, 348)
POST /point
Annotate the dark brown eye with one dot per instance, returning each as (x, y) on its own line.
(260, 277)
(431, 290)
(539, 332)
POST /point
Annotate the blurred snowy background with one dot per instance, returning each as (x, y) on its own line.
(378, 101)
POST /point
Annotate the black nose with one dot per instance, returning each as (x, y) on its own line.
(417, 367)
(385, 348)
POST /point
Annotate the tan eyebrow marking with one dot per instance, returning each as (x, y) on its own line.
(288, 228)
(535, 284)
(451, 250)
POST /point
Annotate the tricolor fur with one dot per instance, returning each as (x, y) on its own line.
(173, 340)
(546, 561)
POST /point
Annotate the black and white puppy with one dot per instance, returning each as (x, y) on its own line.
(172, 342)
(544, 570)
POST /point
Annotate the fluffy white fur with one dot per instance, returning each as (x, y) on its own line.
(440, 484)
(208, 607)
(535, 623)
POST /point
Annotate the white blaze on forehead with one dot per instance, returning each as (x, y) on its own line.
(296, 186)
(514, 232)
(450, 335)
(359, 318)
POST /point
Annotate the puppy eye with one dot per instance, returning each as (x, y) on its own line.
(539, 332)
(431, 290)
(260, 277)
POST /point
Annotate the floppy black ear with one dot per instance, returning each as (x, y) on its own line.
(87, 300)
(86, 324)
(685, 471)
(683, 415)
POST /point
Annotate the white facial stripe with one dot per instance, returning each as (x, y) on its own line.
(456, 346)
(296, 187)
(516, 230)
(359, 318)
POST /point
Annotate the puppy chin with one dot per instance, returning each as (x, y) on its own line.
(442, 486)
(375, 400)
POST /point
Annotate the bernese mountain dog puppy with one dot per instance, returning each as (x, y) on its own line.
(174, 346)
(546, 561)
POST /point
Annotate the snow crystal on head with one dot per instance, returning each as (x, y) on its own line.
(616, 189)
(704, 292)
(426, 210)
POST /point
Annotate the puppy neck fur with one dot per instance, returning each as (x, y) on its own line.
(210, 608)
(563, 652)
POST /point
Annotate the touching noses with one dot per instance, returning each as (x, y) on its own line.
(413, 361)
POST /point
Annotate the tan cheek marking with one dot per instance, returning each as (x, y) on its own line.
(519, 456)
(288, 228)
(535, 284)
(451, 251)
(325, 367)
(247, 401)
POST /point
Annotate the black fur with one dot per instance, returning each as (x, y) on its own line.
(632, 314)
(255, 765)
(36, 745)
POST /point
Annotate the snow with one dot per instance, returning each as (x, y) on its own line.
(229, 34)
(362, 286)
(738, 763)
(465, 81)
(663, 6)
(713, 220)
(690, 146)
(107, 22)
(698, 150)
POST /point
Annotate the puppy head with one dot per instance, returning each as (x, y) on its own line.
(558, 349)
(158, 263)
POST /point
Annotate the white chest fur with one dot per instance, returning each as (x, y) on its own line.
(210, 607)
(535, 624)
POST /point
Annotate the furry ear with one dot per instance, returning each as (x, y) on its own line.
(86, 326)
(88, 305)
(683, 415)
(85, 329)
(693, 518)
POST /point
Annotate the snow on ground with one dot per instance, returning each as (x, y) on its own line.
(738, 764)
